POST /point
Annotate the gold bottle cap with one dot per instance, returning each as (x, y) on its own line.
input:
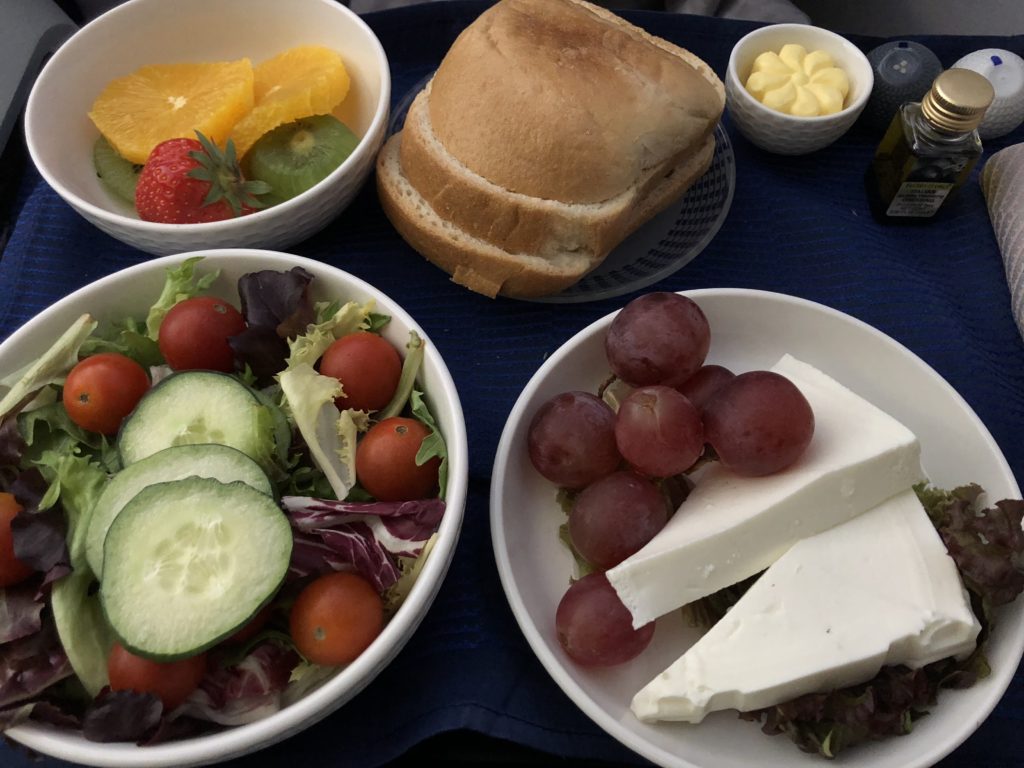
(957, 100)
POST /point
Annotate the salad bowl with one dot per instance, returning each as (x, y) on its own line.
(129, 293)
(750, 330)
(137, 33)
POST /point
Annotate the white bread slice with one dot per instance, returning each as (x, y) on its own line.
(550, 132)
(486, 268)
(518, 223)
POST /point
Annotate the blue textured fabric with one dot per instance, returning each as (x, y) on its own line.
(797, 225)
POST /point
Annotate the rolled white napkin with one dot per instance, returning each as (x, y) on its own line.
(1002, 182)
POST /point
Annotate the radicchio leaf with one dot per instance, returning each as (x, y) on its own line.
(40, 542)
(12, 445)
(243, 692)
(121, 716)
(402, 527)
(261, 349)
(21, 610)
(175, 729)
(363, 536)
(30, 665)
(277, 299)
(987, 544)
(349, 548)
(276, 307)
(28, 488)
(39, 711)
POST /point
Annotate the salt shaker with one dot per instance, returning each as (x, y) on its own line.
(1005, 70)
(904, 71)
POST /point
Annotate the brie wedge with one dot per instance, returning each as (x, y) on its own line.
(833, 610)
(731, 527)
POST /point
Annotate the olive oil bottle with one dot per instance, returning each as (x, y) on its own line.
(930, 147)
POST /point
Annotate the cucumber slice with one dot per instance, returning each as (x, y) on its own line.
(175, 463)
(199, 407)
(188, 562)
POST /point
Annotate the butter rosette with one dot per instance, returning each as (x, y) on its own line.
(798, 83)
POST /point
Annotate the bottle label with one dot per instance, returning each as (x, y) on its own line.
(926, 184)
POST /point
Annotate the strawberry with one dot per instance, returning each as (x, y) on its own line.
(189, 181)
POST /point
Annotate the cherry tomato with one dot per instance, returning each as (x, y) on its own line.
(194, 334)
(12, 570)
(102, 389)
(171, 681)
(335, 618)
(367, 366)
(386, 461)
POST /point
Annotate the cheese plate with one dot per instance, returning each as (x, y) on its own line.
(749, 330)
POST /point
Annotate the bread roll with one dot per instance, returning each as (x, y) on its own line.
(551, 130)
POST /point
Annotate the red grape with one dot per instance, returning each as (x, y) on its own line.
(595, 628)
(658, 338)
(615, 517)
(572, 439)
(658, 431)
(758, 423)
(704, 383)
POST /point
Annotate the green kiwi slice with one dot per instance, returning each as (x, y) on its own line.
(296, 156)
(117, 175)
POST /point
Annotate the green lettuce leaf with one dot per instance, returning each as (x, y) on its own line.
(329, 434)
(410, 369)
(77, 482)
(50, 368)
(127, 337)
(308, 348)
(433, 444)
(50, 429)
(410, 569)
(181, 283)
(84, 632)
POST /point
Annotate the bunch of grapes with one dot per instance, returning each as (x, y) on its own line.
(756, 423)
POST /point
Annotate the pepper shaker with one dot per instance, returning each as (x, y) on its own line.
(904, 71)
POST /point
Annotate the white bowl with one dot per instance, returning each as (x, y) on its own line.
(749, 330)
(787, 134)
(60, 135)
(130, 292)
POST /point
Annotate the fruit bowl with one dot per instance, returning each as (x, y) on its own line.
(60, 135)
(750, 330)
(130, 292)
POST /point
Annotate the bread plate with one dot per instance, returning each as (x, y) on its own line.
(659, 248)
(750, 329)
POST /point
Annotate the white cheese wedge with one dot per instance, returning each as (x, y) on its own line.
(731, 527)
(833, 610)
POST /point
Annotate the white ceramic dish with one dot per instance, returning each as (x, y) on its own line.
(750, 329)
(60, 135)
(786, 134)
(131, 292)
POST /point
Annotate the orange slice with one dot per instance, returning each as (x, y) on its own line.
(167, 101)
(302, 81)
